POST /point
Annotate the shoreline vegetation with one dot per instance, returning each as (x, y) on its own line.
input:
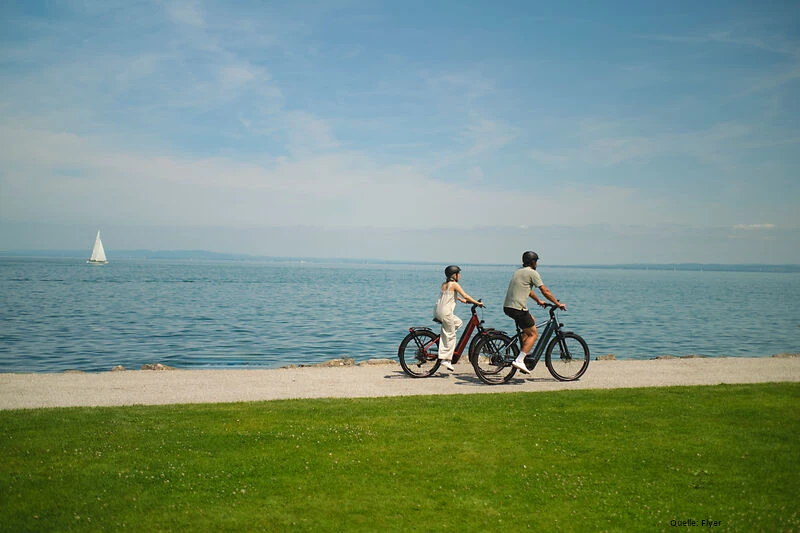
(204, 255)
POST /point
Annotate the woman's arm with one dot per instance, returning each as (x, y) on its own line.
(466, 298)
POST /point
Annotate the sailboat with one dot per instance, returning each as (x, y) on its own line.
(98, 254)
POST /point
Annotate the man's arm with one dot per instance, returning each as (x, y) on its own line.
(549, 295)
(536, 298)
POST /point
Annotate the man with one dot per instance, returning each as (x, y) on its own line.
(523, 281)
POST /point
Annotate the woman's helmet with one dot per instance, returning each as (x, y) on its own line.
(451, 271)
(529, 258)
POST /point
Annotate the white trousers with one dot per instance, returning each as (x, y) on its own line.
(447, 342)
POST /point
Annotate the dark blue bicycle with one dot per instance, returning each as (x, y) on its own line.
(566, 354)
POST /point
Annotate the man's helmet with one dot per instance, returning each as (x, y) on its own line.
(451, 271)
(529, 258)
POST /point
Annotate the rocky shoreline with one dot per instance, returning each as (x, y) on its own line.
(349, 361)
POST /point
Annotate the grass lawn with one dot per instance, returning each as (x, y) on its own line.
(634, 459)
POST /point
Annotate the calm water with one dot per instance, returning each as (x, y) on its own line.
(64, 314)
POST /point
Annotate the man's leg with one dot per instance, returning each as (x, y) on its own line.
(528, 339)
(529, 336)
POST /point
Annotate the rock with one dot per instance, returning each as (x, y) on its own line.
(378, 362)
(156, 366)
(609, 357)
(345, 361)
(118, 368)
(690, 356)
(786, 355)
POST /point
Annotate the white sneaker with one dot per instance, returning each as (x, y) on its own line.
(520, 365)
(448, 365)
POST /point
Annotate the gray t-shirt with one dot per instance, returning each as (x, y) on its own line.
(519, 289)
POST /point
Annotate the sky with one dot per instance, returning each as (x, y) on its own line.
(590, 132)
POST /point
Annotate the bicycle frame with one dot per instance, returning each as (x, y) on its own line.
(473, 324)
(565, 353)
(550, 327)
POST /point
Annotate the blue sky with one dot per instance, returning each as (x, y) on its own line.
(592, 132)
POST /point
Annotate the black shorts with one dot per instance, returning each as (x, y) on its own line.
(523, 319)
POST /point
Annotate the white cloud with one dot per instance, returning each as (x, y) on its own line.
(488, 135)
(339, 188)
(236, 76)
(475, 174)
(307, 132)
(755, 226)
(186, 13)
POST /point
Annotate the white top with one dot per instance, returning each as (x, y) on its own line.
(446, 304)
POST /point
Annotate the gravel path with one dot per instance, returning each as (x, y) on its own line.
(153, 387)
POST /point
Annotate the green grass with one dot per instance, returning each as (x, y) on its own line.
(622, 460)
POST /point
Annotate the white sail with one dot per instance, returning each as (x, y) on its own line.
(98, 254)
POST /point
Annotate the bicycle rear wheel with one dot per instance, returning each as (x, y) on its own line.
(567, 358)
(492, 358)
(419, 354)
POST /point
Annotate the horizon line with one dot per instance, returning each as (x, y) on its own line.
(199, 254)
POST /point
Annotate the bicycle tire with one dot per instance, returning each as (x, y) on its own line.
(571, 357)
(419, 362)
(492, 359)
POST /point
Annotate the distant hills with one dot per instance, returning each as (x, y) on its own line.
(135, 254)
(694, 267)
(204, 255)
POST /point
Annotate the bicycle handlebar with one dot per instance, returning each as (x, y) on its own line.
(552, 308)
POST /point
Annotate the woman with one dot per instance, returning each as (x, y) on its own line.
(444, 313)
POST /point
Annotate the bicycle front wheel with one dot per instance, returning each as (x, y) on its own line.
(492, 358)
(419, 354)
(567, 358)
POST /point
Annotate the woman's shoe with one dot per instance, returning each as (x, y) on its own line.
(448, 365)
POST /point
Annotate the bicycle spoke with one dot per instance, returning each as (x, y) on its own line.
(418, 354)
(492, 360)
(567, 358)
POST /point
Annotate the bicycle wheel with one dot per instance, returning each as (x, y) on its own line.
(568, 358)
(492, 358)
(418, 354)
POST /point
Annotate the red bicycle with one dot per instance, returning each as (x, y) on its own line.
(419, 351)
